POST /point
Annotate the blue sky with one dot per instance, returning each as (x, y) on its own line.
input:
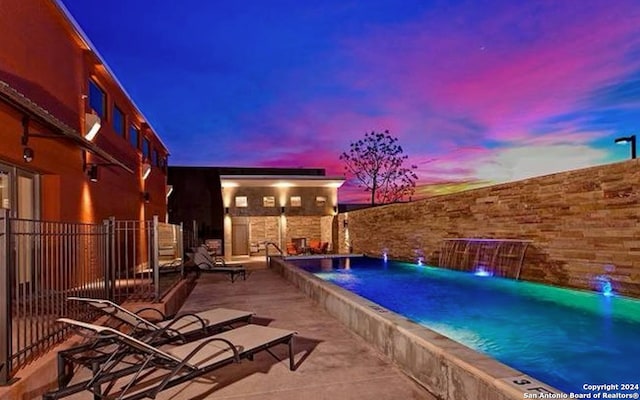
(477, 92)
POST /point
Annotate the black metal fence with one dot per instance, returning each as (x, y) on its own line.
(42, 263)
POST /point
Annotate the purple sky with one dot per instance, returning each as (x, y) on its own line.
(477, 92)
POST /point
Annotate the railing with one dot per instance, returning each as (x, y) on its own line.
(132, 260)
(266, 247)
(42, 263)
(168, 252)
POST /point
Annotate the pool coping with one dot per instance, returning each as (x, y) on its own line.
(447, 369)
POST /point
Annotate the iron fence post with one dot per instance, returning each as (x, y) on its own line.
(5, 298)
(180, 245)
(109, 261)
(154, 260)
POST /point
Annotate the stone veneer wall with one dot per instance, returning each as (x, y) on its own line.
(264, 229)
(326, 230)
(303, 227)
(583, 224)
(267, 228)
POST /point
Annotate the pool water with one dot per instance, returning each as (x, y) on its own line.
(565, 338)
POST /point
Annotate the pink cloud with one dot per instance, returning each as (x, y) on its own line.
(447, 84)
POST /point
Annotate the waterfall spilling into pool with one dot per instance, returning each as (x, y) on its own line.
(485, 257)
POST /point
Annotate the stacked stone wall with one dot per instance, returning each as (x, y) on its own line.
(583, 224)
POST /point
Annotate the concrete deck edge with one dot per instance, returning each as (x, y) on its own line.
(447, 369)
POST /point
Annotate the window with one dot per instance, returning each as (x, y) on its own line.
(163, 162)
(155, 160)
(97, 99)
(321, 201)
(296, 201)
(118, 121)
(133, 136)
(146, 148)
(241, 201)
(4, 189)
(268, 201)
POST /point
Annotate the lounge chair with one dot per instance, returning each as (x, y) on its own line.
(168, 261)
(183, 325)
(179, 363)
(183, 328)
(205, 262)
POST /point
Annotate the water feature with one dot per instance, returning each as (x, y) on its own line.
(604, 283)
(565, 338)
(486, 257)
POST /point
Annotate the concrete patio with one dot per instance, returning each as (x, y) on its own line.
(332, 362)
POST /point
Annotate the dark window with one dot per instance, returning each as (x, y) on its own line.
(133, 136)
(163, 163)
(97, 99)
(118, 121)
(146, 148)
(155, 160)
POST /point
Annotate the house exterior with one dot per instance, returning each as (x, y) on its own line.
(75, 147)
(278, 209)
(242, 207)
(74, 150)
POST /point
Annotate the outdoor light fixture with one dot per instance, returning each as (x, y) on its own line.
(146, 197)
(92, 173)
(345, 224)
(226, 210)
(146, 170)
(281, 210)
(27, 154)
(92, 125)
(335, 209)
(628, 139)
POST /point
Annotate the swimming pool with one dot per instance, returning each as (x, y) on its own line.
(565, 338)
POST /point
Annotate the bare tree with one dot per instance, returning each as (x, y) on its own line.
(376, 161)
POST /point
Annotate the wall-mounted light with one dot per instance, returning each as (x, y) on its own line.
(92, 173)
(27, 154)
(282, 210)
(146, 170)
(226, 210)
(146, 197)
(628, 139)
(335, 209)
(345, 223)
(91, 125)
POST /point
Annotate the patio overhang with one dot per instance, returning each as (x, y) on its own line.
(59, 129)
(281, 181)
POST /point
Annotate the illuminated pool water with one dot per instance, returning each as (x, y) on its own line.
(565, 338)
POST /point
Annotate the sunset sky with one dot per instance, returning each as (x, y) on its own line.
(477, 92)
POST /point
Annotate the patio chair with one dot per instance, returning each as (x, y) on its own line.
(179, 364)
(315, 246)
(292, 249)
(206, 263)
(183, 326)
